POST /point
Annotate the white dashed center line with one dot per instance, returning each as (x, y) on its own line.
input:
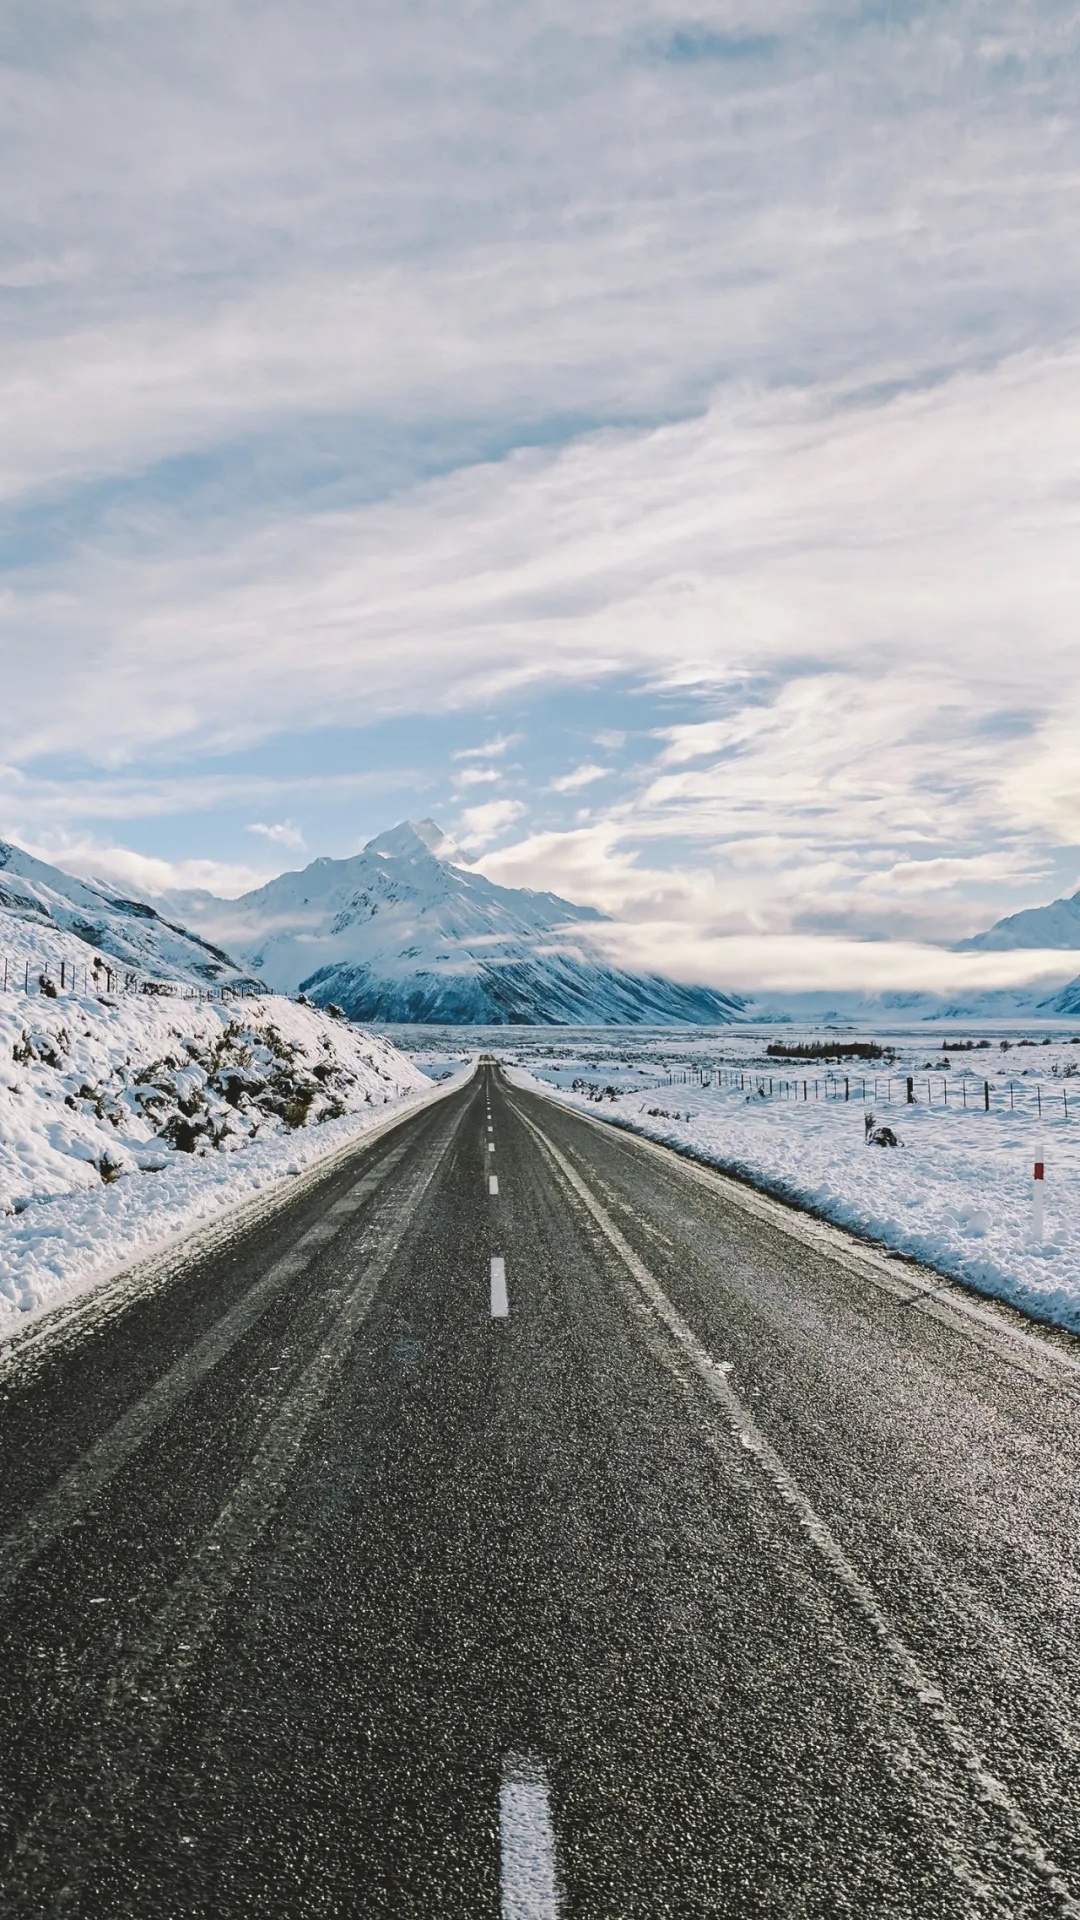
(500, 1305)
(493, 1183)
(528, 1882)
(491, 1146)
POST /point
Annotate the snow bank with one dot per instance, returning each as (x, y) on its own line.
(955, 1194)
(125, 1121)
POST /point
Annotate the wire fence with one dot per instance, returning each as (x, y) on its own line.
(956, 1093)
(97, 975)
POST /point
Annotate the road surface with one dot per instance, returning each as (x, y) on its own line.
(523, 1522)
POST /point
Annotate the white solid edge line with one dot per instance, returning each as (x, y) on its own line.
(500, 1305)
(493, 1183)
(528, 1881)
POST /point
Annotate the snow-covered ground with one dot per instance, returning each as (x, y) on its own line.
(126, 1120)
(956, 1193)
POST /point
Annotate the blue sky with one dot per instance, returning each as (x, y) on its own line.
(639, 436)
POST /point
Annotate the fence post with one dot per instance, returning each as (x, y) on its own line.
(910, 1090)
(986, 1095)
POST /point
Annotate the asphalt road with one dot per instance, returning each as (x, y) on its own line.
(612, 1544)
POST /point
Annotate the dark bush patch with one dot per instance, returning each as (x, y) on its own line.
(47, 1048)
(182, 1134)
(828, 1050)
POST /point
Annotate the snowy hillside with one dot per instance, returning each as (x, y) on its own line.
(1057, 925)
(404, 931)
(43, 910)
(123, 1117)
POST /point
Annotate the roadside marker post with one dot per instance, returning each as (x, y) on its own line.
(1038, 1185)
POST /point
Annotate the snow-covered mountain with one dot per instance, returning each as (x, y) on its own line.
(37, 896)
(1057, 925)
(406, 931)
(1054, 927)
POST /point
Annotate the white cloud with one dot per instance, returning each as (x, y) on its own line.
(582, 776)
(490, 750)
(146, 875)
(887, 543)
(478, 826)
(800, 963)
(282, 832)
(230, 228)
(476, 777)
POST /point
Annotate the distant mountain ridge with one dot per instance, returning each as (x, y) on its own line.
(406, 931)
(131, 932)
(1055, 926)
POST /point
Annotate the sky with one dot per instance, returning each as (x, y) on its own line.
(641, 437)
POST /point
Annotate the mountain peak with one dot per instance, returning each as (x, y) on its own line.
(410, 837)
(408, 930)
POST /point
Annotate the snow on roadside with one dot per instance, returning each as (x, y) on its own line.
(126, 1120)
(955, 1194)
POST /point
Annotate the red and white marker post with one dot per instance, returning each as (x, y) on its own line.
(1038, 1185)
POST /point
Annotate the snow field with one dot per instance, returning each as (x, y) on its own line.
(955, 1194)
(125, 1121)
